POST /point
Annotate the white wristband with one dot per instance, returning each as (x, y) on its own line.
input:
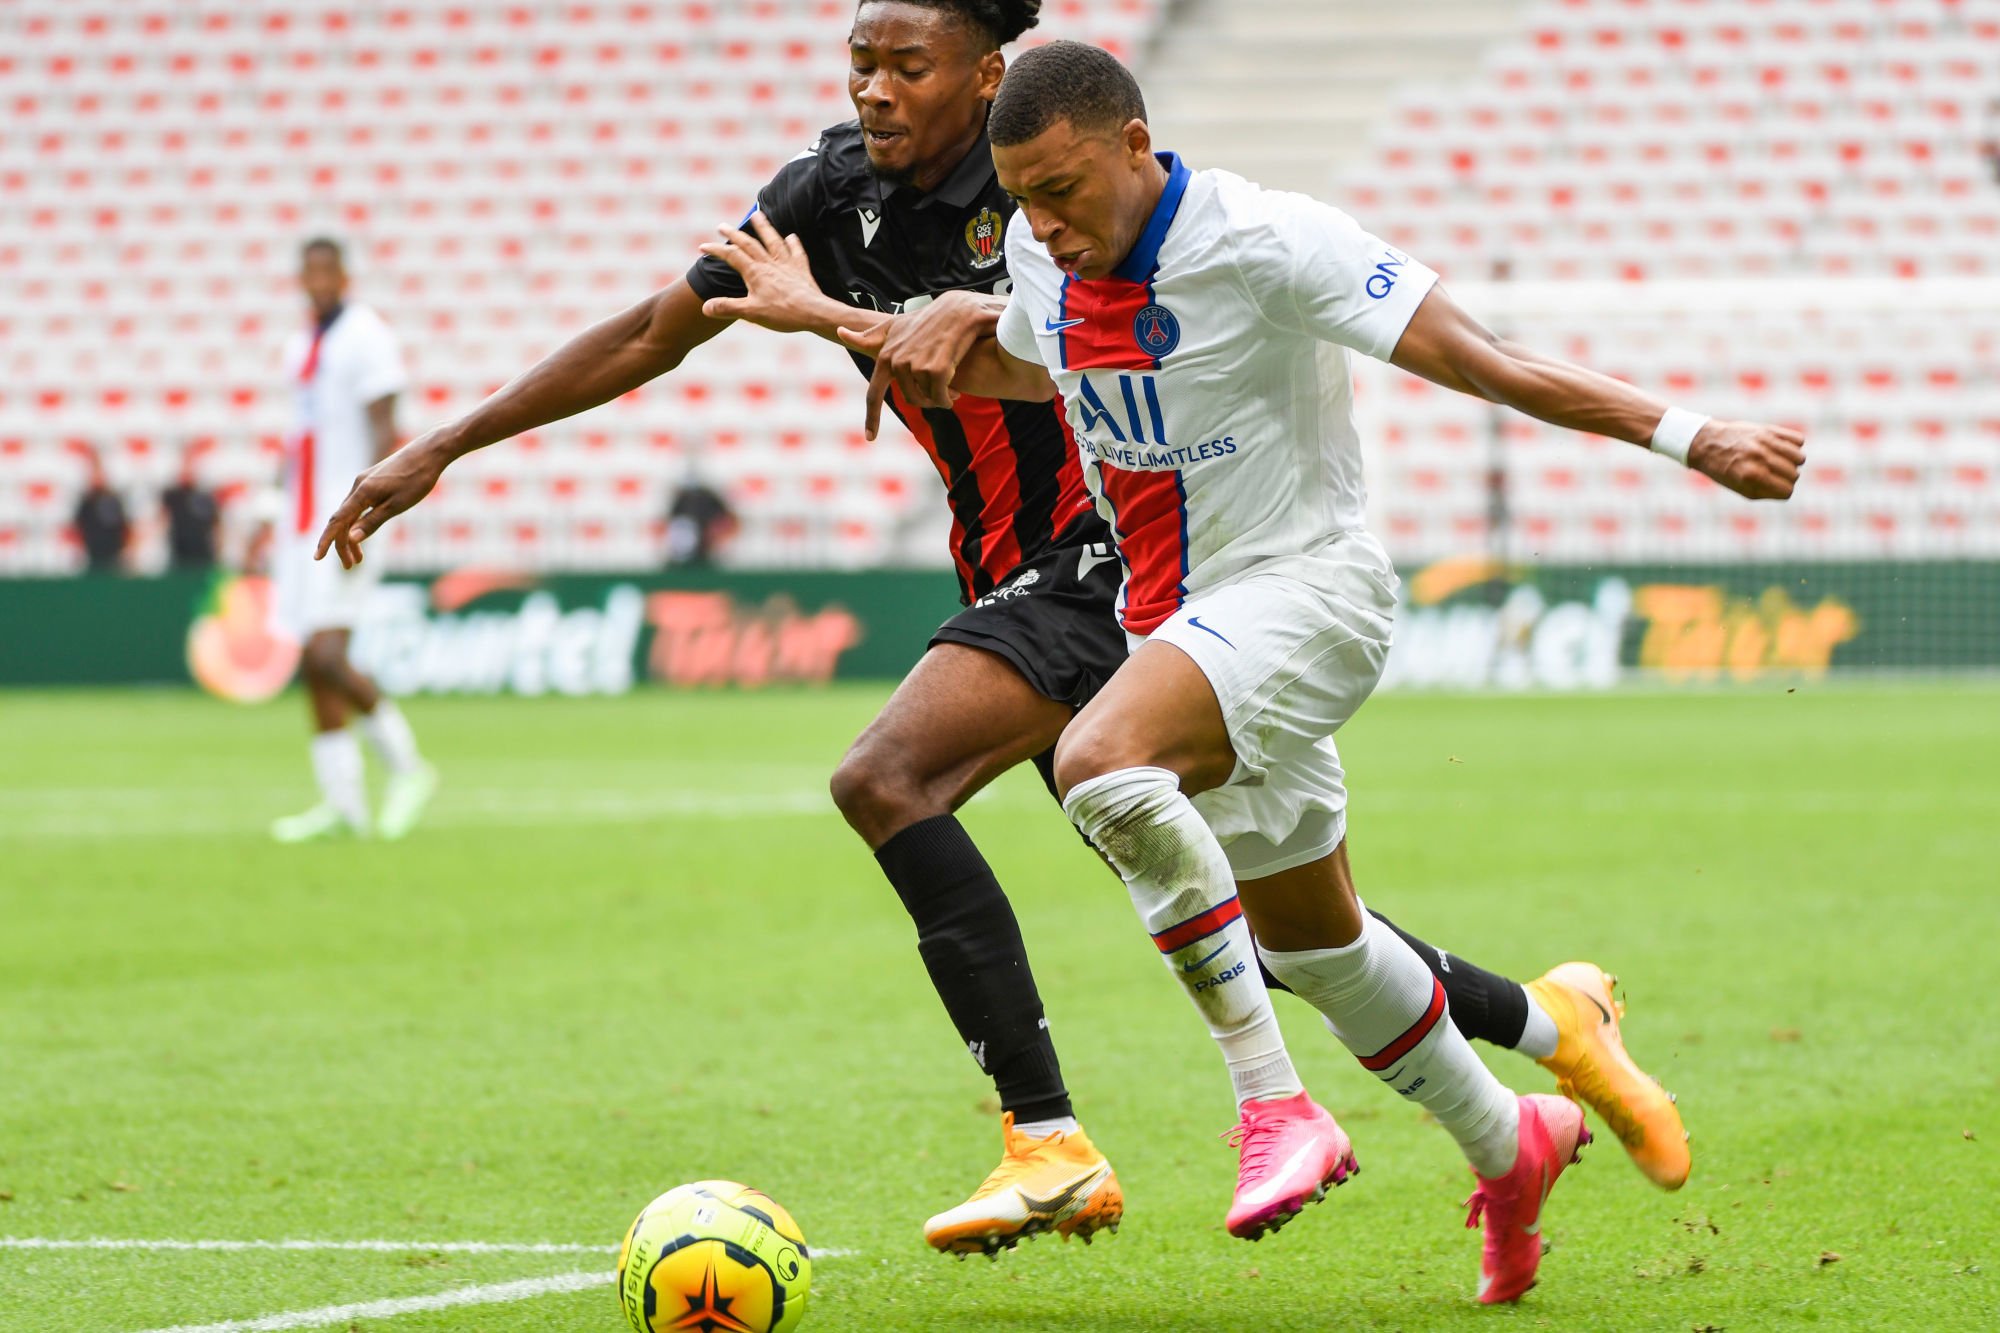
(1674, 436)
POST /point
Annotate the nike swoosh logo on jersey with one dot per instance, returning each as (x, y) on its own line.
(1196, 967)
(871, 222)
(1196, 622)
(1058, 325)
(1091, 557)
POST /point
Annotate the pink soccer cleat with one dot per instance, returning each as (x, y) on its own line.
(1289, 1151)
(1510, 1208)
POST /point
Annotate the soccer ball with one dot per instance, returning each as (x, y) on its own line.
(714, 1257)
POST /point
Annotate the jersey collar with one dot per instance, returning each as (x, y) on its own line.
(967, 181)
(1138, 266)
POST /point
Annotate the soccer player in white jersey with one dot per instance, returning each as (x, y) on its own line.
(1197, 328)
(346, 369)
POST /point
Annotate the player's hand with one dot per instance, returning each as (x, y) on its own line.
(1755, 460)
(868, 342)
(382, 492)
(781, 292)
(923, 349)
(919, 353)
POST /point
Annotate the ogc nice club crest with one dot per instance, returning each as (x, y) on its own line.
(982, 237)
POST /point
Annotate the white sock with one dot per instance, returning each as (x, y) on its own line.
(1385, 1006)
(1041, 1129)
(1182, 886)
(390, 736)
(1539, 1037)
(336, 761)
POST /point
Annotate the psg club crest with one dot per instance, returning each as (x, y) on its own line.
(1156, 331)
(982, 237)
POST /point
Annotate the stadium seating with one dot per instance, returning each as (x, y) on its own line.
(1672, 144)
(505, 174)
(509, 172)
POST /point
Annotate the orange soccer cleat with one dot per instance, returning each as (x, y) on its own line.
(1592, 1066)
(1060, 1184)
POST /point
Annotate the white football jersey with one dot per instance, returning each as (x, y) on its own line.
(336, 372)
(1206, 379)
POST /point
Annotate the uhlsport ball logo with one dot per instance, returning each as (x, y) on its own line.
(714, 1257)
(1156, 331)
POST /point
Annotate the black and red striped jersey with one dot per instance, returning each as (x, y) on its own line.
(1010, 470)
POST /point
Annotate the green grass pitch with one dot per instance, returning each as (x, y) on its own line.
(635, 946)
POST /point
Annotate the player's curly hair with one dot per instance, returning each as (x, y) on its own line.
(999, 21)
(1084, 85)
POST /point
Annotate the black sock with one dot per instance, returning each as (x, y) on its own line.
(972, 947)
(1484, 1005)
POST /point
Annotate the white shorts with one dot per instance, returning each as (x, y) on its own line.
(309, 595)
(1291, 651)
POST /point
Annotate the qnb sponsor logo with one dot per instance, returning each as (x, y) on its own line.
(1383, 280)
(1221, 978)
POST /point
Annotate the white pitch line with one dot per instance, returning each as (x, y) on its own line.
(496, 1293)
(320, 1246)
(364, 1246)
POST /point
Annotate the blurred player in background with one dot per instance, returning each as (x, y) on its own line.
(348, 369)
(1197, 329)
(889, 212)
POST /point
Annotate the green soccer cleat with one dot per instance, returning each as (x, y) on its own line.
(403, 802)
(322, 823)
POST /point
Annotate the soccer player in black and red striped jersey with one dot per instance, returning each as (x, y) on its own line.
(883, 214)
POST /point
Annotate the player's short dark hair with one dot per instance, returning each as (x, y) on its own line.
(326, 243)
(1084, 85)
(997, 22)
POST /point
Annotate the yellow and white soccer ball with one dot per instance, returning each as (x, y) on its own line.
(714, 1257)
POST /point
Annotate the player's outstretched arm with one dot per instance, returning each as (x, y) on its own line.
(903, 352)
(1447, 346)
(780, 292)
(606, 360)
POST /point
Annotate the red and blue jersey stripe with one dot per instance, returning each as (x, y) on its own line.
(1148, 506)
(1149, 522)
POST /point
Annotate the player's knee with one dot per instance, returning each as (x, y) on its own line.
(1087, 752)
(873, 796)
(320, 663)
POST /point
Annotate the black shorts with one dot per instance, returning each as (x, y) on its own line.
(1055, 618)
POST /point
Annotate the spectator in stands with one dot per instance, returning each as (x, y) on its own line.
(699, 521)
(192, 515)
(101, 524)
